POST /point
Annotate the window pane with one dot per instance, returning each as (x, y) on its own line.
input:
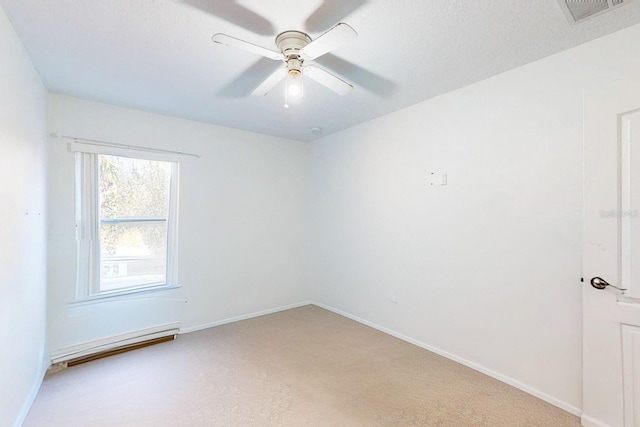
(133, 198)
(132, 254)
(133, 188)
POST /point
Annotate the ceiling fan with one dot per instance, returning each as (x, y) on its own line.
(296, 49)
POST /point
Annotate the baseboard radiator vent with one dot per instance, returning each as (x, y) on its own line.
(112, 345)
(579, 10)
(124, 349)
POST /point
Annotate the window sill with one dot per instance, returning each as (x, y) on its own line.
(121, 295)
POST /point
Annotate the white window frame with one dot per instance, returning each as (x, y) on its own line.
(88, 226)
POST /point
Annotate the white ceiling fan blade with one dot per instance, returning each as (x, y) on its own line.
(270, 82)
(246, 46)
(327, 79)
(337, 36)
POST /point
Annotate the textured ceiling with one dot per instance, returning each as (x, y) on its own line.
(158, 56)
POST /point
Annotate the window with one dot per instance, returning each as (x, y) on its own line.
(126, 209)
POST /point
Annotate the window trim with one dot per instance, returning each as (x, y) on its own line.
(88, 222)
(122, 294)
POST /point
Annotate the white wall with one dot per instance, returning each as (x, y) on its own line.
(487, 268)
(240, 223)
(23, 106)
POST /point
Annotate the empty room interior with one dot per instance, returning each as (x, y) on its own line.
(320, 213)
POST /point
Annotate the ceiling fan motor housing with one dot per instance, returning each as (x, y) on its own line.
(290, 43)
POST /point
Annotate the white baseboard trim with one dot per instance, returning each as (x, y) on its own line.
(500, 377)
(243, 317)
(114, 341)
(33, 393)
(587, 421)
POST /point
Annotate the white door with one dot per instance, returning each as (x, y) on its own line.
(611, 317)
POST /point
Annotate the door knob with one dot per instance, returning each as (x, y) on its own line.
(600, 283)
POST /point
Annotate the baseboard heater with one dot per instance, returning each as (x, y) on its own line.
(114, 345)
(118, 350)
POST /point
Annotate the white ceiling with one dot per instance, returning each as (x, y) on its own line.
(157, 55)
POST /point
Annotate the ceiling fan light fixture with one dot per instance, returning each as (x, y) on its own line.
(294, 89)
(294, 84)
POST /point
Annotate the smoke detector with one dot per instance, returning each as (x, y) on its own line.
(579, 10)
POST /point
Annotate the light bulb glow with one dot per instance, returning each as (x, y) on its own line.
(294, 84)
(294, 89)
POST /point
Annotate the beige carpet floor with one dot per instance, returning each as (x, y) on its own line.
(302, 367)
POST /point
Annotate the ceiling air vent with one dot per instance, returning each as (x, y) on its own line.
(579, 10)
